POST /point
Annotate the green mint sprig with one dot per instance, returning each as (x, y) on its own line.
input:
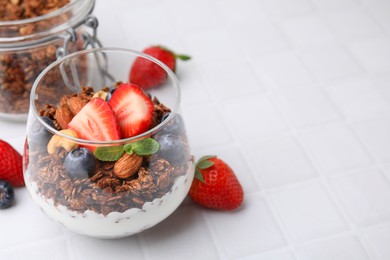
(113, 153)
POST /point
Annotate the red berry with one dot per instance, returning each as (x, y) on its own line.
(147, 74)
(215, 185)
(95, 121)
(133, 108)
(11, 168)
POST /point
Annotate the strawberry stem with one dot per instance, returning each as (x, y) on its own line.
(203, 163)
(198, 175)
(182, 57)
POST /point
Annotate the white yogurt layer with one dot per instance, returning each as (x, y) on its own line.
(117, 224)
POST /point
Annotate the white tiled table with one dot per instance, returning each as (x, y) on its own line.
(293, 94)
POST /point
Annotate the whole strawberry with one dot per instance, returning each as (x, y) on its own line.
(11, 165)
(146, 74)
(215, 185)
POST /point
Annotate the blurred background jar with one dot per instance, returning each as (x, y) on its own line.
(33, 34)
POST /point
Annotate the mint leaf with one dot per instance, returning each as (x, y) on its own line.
(128, 148)
(108, 153)
(145, 146)
(199, 175)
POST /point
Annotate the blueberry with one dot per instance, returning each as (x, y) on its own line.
(172, 148)
(80, 163)
(6, 194)
(174, 126)
(109, 95)
(39, 136)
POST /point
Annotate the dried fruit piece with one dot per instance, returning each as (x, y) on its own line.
(127, 165)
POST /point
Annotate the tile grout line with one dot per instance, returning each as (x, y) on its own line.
(68, 243)
(285, 231)
(323, 178)
(141, 239)
(31, 243)
(214, 237)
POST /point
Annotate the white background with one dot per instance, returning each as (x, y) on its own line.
(293, 94)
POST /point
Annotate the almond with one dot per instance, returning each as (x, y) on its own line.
(127, 165)
(63, 116)
(64, 101)
(76, 103)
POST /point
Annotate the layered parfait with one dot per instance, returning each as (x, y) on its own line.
(82, 176)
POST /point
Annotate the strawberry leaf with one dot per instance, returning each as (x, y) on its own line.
(108, 153)
(198, 175)
(206, 157)
(204, 164)
(145, 146)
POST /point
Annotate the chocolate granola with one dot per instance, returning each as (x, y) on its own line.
(103, 192)
(19, 68)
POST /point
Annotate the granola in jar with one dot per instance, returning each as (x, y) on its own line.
(31, 33)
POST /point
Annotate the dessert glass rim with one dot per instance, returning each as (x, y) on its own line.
(170, 74)
(82, 8)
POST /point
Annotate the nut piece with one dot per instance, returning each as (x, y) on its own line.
(76, 104)
(101, 94)
(58, 141)
(127, 165)
(63, 116)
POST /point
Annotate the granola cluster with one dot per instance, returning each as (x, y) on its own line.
(103, 192)
(19, 68)
(11, 10)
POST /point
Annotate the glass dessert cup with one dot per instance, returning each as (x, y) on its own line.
(90, 197)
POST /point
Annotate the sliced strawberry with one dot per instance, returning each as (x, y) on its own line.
(133, 109)
(95, 121)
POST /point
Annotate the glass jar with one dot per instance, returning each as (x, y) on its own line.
(28, 46)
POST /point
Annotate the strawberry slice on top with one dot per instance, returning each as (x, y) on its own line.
(95, 121)
(133, 109)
